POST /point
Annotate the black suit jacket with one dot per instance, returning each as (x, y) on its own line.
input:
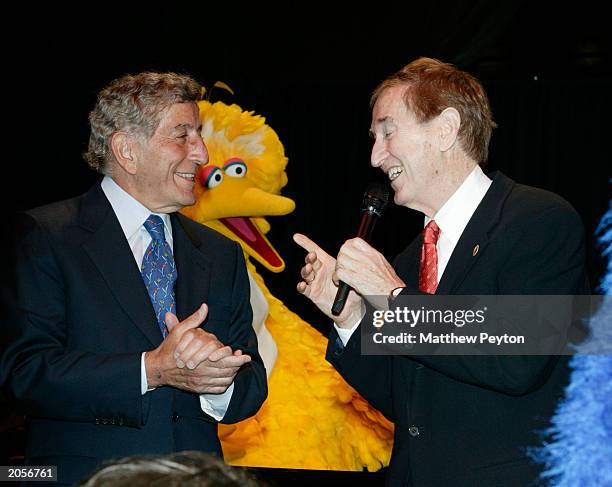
(467, 420)
(75, 357)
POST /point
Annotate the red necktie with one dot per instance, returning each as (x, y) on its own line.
(428, 268)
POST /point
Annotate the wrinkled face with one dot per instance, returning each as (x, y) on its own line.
(169, 160)
(405, 150)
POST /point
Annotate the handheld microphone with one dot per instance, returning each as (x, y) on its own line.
(373, 206)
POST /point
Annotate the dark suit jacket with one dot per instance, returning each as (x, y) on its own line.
(467, 420)
(75, 358)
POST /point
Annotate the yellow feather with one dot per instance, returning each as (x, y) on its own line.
(312, 418)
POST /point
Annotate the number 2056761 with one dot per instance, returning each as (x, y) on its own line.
(31, 473)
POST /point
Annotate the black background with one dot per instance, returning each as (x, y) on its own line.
(309, 69)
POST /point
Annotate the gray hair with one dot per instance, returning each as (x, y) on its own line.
(134, 103)
(182, 469)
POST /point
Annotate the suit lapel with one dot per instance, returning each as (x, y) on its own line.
(475, 237)
(194, 269)
(407, 263)
(111, 254)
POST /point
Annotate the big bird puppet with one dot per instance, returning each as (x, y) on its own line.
(312, 419)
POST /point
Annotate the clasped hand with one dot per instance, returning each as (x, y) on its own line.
(192, 359)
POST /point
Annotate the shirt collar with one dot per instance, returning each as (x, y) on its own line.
(130, 212)
(455, 214)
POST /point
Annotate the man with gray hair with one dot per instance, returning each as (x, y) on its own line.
(135, 334)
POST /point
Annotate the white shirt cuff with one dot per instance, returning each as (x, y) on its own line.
(144, 386)
(215, 405)
(346, 333)
(396, 291)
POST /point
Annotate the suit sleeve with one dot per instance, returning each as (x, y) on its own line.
(548, 258)
(250, 384)
(41, 369)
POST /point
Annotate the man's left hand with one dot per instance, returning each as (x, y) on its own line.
(366, 270)
(215, 374)
(206, 366)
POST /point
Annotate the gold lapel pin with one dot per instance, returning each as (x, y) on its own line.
(475, 250)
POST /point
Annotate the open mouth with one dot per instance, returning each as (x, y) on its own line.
(246, 231)
(187, 176)
(394, 172)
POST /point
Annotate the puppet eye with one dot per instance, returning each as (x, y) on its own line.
(235, 168)
(211, 176)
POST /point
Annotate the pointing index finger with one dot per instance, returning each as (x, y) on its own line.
(307, 244)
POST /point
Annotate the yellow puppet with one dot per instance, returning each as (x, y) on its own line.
(312, 418)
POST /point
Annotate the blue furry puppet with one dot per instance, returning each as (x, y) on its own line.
(581, 451)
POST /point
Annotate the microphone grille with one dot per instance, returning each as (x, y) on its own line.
(375, 198)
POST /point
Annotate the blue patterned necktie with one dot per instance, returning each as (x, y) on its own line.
(159, 272)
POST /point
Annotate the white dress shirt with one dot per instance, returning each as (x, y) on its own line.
(132, 215)
(452, 219)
